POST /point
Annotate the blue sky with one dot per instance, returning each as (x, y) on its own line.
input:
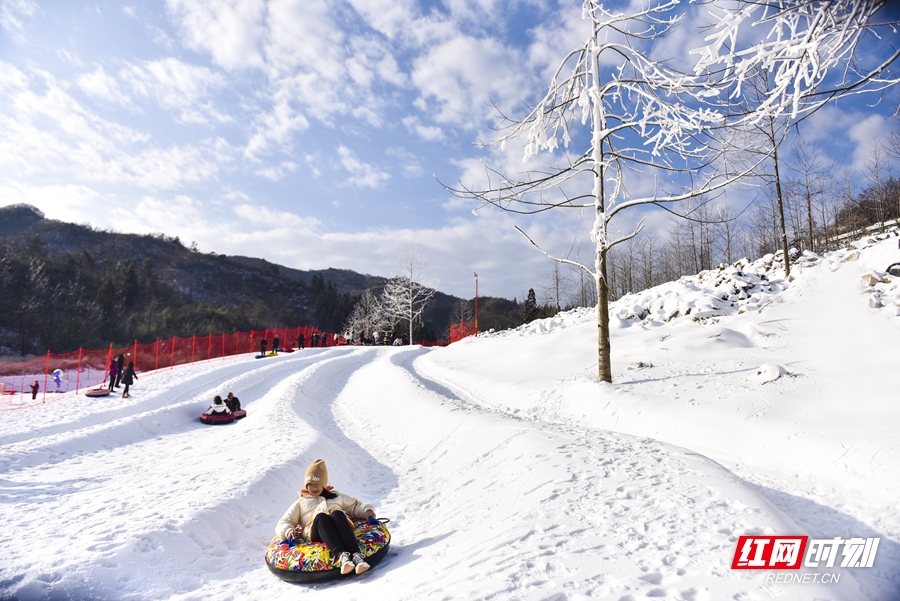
(307, 132)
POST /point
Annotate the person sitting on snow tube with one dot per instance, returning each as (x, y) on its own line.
(232, 402)
(218, 407)
(320, 515)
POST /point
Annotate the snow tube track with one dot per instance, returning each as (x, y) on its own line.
(483, 505)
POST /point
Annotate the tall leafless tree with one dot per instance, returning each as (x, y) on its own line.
(644, 124)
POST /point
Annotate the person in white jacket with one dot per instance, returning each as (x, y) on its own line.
(320, 515)
(217, 407)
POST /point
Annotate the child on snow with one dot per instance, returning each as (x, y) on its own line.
(320, 515)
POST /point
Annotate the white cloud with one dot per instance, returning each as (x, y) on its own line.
(866, 133)
(175, 85)
(390, 17)
(276, 126)
(263, 216)
(457, 79)
(11, 12)
(230, 30)
(66, 202)
(407, 160)
(432, 133)
(49, 132)
(100, 85)
(363, 175)
(276, 172)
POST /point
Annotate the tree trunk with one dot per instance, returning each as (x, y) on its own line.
(604, 360)
(784, 240)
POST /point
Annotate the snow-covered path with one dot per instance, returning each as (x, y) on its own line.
(134, 499)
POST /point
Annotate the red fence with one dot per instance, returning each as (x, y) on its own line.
(63, 372)
(461, 330)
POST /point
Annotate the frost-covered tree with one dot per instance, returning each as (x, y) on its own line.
(812, 49)
(405, 297)
(367, 315)
(643, 125)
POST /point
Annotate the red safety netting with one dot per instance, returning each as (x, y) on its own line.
(57, 373)
(461, 330)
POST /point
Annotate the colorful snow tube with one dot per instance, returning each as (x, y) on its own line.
(215, 419)
(95, 392)
(239, 414)
(309, 563)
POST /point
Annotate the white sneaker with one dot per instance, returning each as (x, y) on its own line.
(361, 565)
(346, 563)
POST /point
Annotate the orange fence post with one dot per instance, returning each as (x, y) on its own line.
(193, 346)
(157, 355)
(172, 364)
(134, 355)
(78, 371)
(106, 365)
(46, 371)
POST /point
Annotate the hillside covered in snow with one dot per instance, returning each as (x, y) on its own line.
(742, 404)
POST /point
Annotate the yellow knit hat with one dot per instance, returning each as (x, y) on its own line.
(317, 473)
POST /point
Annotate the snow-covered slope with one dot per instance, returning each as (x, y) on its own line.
(508, 471)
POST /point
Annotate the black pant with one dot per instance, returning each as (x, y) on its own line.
(126, 389)
(335, 531)
(112, 381)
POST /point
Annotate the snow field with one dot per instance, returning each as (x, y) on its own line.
(508, 471)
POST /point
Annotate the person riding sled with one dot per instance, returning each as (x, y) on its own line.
(217, 407)
(233, 403)
(321, 515)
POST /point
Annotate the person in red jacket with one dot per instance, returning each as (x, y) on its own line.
(34, 390)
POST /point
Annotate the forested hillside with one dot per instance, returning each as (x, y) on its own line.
(68, 285)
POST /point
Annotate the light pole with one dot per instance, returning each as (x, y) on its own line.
(476, 305)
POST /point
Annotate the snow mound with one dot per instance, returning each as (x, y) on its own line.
(735, 289)
(768, 372)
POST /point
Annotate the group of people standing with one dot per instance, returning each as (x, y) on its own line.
(377, 338)
(120, 374)
(315, 340)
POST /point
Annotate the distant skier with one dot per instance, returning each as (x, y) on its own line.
(113, 374)
(314, 340)
(262, 347)
(128, 378)
(57, 379)
(301, 341)
(275, 342)
(120, 365)
(34, 390)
